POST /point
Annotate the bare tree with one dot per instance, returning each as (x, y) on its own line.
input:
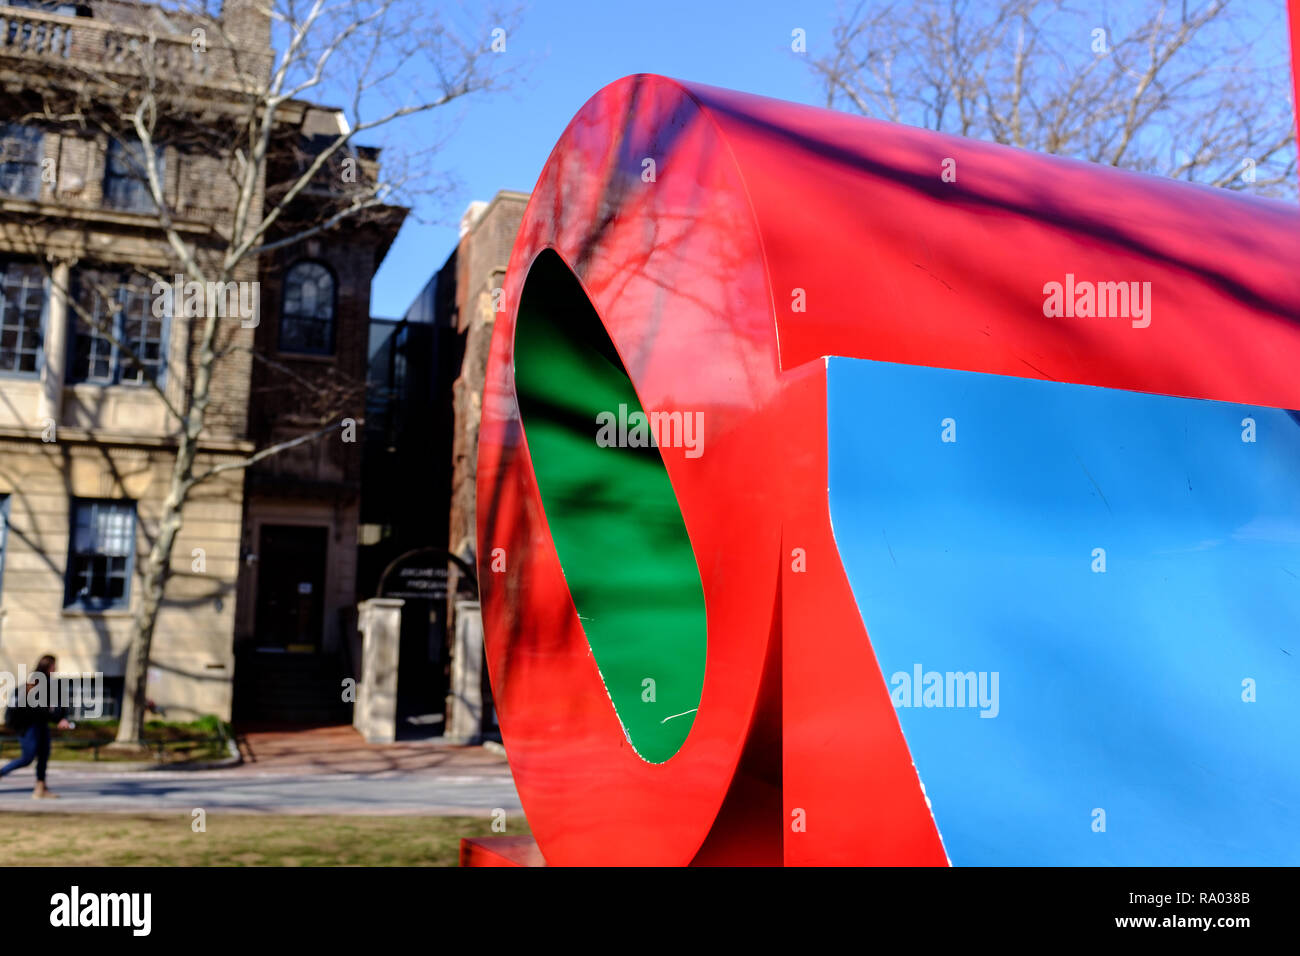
(1193, 89)
(378, 62)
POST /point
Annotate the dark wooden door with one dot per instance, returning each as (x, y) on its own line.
(291, 587)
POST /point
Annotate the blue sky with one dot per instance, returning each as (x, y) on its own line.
(572, 48)
(501, 140)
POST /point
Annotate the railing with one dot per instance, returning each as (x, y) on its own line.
(158, 747)
(125, 52)
(34, 36)
(112, 48)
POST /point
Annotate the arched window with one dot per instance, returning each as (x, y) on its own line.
(307, 313)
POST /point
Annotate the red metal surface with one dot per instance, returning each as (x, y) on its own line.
(694, 276)
(1294, 7)
(500, 851)
(951, 274)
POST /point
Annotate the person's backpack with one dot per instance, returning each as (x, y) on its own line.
(17, 719)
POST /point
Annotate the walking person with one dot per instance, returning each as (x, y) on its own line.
(30, 719)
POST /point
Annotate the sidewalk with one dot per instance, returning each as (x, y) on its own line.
(342, 750)
(311, 770)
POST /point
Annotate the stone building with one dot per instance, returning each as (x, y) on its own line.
(488, 234)
(481, 257)
(87, 443)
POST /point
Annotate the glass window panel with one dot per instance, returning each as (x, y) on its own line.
(20, 160)
(22, 304)
(123, 306)
(307, 318)
(103, 542)
(126, 178)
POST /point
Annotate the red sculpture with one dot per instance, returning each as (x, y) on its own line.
(767, 236)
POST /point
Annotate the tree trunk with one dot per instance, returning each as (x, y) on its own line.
(130, 728)
(157, 569)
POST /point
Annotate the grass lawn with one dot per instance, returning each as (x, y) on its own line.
(237, 839)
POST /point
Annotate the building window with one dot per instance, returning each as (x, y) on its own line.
(22, 312)
(307, 316)
(126, 183)
(120, 305)
(101, 554)
(20, 160)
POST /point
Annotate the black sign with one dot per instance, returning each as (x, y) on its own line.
(424, 574)
(417, 583)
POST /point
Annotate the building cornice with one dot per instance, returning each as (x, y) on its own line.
(81, 436)
(100, 216)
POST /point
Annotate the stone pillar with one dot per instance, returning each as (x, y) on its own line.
(375, 712)
(55, 346)
(465, 703)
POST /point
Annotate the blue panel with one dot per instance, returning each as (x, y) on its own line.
(1121, 690)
